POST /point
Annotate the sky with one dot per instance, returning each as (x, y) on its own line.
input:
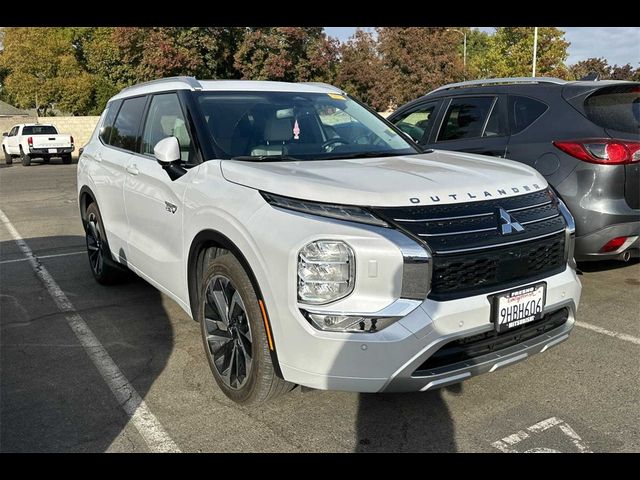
(619, 45)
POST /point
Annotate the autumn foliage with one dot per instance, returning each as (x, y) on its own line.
(77, 69)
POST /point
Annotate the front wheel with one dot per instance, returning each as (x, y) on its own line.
(105, 270)
(234, 335)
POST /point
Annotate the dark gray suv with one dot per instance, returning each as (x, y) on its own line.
(583, 136)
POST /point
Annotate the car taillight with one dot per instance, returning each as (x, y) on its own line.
(613, 244)
(604, 151)
(30, 141)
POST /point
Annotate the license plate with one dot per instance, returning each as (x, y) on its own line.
(53, 150)
(517, 307)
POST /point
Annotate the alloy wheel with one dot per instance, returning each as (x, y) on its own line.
(227, 332)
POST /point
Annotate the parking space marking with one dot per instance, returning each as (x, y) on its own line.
(40, 257)
(604, 331)
(507, 443)
(149, 427)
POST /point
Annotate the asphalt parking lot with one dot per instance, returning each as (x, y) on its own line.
(581, 395)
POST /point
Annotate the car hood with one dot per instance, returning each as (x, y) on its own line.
(439, 177)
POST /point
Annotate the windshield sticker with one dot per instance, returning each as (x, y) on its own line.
(296, 130)
(335, 96)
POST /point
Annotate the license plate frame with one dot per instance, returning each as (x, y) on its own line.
(53, 150)
(501, 320)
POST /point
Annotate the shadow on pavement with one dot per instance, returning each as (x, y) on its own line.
(53, 398)
(589, 267)
(404, 422)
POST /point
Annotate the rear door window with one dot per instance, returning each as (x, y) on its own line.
(39, 130)
(523, 111)
(417, 122)
(126, 129)
(616, 108)
(469, 117)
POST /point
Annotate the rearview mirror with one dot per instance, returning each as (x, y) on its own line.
(167, 153)
(5, 134)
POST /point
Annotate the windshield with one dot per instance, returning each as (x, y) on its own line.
(275, 126)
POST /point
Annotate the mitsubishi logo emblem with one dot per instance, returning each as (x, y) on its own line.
(508, 224)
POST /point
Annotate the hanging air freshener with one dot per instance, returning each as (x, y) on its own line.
(296, 130)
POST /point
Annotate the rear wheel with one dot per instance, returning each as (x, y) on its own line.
(66, 159)
(234, 335)
(25, 158)
(8, 159)
(105, 270)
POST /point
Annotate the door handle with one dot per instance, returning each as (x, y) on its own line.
(133, 170)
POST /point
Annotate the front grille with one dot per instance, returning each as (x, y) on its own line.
(470, 254)
(489, 342)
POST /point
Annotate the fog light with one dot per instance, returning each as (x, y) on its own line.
(349, 323)
(326, 271)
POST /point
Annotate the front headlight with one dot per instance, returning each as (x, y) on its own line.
(350, 213)
(326, 271)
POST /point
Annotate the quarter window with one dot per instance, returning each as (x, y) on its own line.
(107, 125)
(165, 119)
(126, 129)
(466, 117)
(418, 121)
(523, 111)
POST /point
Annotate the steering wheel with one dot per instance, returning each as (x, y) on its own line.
(333, 141)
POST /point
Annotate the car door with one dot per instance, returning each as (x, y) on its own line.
(154, 202)
(474, 124)
(12, 141)
(417, 121)
(119, 136)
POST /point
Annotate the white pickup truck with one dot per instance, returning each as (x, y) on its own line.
(36, 140)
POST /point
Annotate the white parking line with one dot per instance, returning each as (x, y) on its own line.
(154, 434)
(43, 256)
(604, 331)
(507, 444)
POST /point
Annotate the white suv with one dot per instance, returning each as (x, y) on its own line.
(316, 245)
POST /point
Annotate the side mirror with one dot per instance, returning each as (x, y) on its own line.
(5, 134)
(167, 153)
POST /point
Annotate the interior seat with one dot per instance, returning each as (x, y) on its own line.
(277, 133)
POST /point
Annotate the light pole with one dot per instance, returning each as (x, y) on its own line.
(464, 51)
(535, 50)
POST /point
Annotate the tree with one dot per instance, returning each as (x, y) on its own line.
(287, 54)
(510, 53)
(477, 49)
(581, 69)
(361, 69)
(417, 60)
(40, 62)
(601, 67)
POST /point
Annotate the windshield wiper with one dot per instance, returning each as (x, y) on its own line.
(265, 158)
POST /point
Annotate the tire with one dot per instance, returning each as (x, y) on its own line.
(66, 159)
(26, 159)
(104, 269)
(236, 342)
(8, 159)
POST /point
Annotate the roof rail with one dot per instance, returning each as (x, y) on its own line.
(191, 81)
(326, 85)
(498, 81)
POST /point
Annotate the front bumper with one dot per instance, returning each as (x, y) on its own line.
(388, 360)
(588, 246)
(45, 151)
